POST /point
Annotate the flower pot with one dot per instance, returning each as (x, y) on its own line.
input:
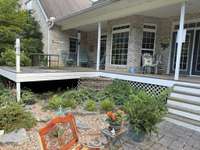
(116, 127)
(137, 136)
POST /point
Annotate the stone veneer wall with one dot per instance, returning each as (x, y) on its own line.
(135, 40)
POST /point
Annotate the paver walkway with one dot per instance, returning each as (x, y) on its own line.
(170, 137)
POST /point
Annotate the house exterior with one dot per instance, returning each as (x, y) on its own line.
(153, 31)
(113, 36)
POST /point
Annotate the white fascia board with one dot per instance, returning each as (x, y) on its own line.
(34, 77)
(114, 11)
(42, 10)
(148, 80)
(8, 74)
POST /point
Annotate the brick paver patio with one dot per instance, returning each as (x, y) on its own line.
(170, 137)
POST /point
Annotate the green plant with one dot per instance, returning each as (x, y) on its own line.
(28, 97)
(13, 116)
(7, 96)
(107, 105)
(55, 102)
(116, 118)
(90, 105)
(144, 112)
(119, 91)
(69, 103)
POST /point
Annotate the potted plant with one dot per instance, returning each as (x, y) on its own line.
(115, 120)
(144, 112)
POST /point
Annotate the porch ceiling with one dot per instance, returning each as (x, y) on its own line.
(117, 9)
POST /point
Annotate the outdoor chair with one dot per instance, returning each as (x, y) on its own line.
(68, 139)
(149, 62)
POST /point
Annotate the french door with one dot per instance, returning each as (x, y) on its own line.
(186, 53)
(196, 55)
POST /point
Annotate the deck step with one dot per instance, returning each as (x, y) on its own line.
(184, 107)
(186, 97)
(187, 90)
(183, 123)
(184, 114)
(187, 101)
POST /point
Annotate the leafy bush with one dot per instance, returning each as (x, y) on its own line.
(144, 112)
(119, 91)
(107, 105)
(90, 105)
(13, 117)
(28, 97)
(61, 100)
(9, 57)
(7, 96)
(55, 102)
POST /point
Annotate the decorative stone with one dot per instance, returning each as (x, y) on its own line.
(1, 132)
(44, 118)
(81, 125)
(16, 137)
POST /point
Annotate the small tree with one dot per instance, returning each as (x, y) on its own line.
(14, 23)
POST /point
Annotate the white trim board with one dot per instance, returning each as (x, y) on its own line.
(37, 77)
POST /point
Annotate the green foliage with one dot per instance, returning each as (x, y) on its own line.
(119, 91)
(28, 97)
(144, 112)
(107, 105)
(90, 105)
(14, 23)
(61, 100)
(8, 58)
(7, 96)
(55, 102)
(13, 117)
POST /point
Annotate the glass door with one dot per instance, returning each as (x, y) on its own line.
(196, 55)
(185, 54)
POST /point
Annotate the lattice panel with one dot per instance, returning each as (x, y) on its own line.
(152, 89)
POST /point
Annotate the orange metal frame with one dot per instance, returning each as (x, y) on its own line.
(61, 119)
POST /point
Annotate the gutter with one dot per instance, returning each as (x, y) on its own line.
(93, 7)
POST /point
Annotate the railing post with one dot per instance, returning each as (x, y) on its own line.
(18, 84)
(98, 47)
(180, 39)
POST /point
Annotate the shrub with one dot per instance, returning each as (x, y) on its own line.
(107, 105)
(90, 105)
(119, 91)
(13, 117)
(28, 97)
(144, 112)
(61, 100)
(7, 96)
(55, 102)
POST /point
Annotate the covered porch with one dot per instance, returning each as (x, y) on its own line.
(156, 37)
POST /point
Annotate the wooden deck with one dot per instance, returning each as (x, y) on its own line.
(35, 74)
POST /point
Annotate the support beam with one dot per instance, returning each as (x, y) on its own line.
(48, 45)
(98, 47)
(180, 39)
(78, 48)
(17, 46)
(18, 91)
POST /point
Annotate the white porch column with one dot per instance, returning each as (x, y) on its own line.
(48, 45)
(98, 46)
(78, 48)
(180, 40)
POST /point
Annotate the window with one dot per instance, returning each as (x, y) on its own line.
(149, 37)
(73, 46)
(120, 38)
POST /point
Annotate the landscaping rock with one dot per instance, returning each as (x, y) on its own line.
(1, 132)
(81, 125)
(16, 137)
(45, 118)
